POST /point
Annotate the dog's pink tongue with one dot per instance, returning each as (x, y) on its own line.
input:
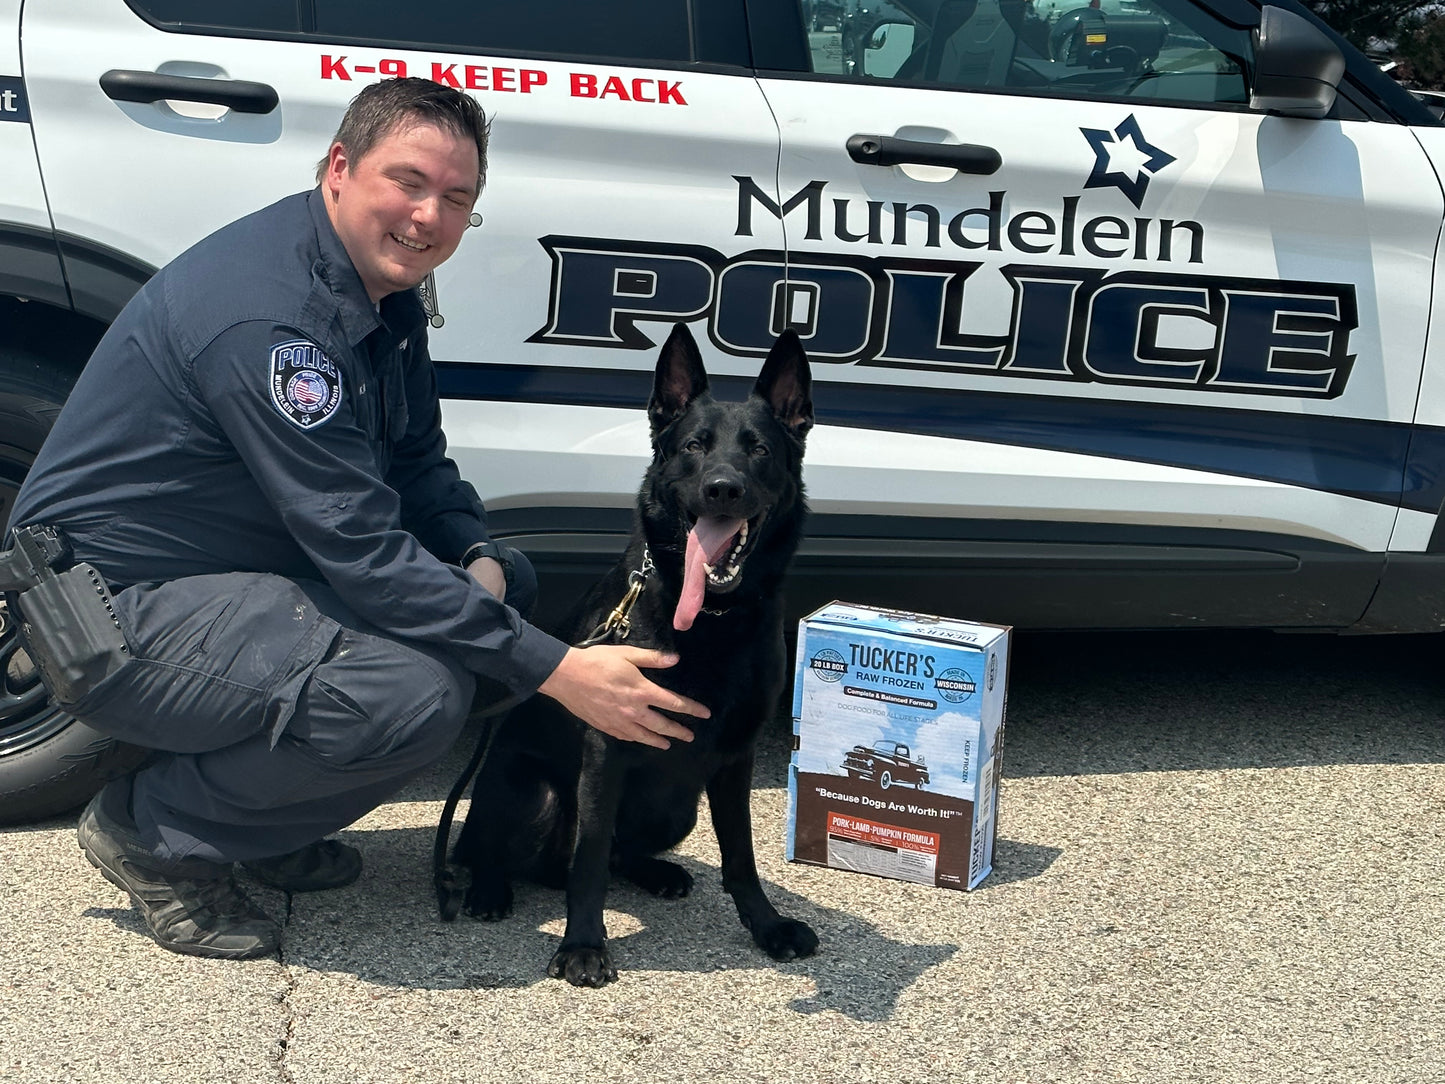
(706, 542)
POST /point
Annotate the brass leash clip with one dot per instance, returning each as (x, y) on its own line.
(617, 621)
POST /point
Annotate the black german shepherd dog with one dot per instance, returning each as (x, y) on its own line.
(719, 516)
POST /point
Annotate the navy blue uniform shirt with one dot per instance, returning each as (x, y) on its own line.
(251, 411)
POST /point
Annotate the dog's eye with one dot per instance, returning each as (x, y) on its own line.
(759, 450)
(694, 445)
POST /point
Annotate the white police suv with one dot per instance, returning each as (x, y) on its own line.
(1120, 312)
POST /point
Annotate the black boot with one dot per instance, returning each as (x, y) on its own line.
(192, 906)
(327, 863)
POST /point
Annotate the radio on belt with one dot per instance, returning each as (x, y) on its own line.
(898, 723)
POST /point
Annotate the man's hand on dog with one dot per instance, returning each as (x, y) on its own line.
(604, 686)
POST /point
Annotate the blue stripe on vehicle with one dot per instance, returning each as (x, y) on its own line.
(1369, 460)
(1425, 472)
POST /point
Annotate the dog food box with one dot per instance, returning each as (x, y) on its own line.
(898, 723)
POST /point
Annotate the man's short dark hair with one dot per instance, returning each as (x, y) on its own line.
(383, 107)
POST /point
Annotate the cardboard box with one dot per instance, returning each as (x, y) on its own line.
(898, 723)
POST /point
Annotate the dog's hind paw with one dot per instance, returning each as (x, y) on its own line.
(786, 939)
(489, 901)
(583, 965)
(661, 878)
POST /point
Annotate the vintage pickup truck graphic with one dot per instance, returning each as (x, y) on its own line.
(885, 763)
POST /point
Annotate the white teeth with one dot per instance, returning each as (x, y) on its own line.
(722, 579)
(726, 576)
(742, 540)
(414, 246)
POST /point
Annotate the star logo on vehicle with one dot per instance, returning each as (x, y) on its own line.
(1124, 159)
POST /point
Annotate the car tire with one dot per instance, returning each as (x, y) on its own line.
(49, 761)
(885, 780)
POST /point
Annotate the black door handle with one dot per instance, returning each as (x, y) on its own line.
(136, 86)
(873, 150)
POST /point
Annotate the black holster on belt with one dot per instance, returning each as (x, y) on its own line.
(64, 615)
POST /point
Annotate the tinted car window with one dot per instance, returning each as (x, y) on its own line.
(622, 29)
(1165, 50)
(222, 14)
(619, 30)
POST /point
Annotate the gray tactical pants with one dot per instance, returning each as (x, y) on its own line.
(279, 714)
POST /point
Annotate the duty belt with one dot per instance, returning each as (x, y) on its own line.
(63, 612)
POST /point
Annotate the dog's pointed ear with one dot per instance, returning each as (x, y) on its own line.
(786, 383)
(680, 379)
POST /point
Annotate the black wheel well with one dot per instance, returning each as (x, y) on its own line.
(47, 333)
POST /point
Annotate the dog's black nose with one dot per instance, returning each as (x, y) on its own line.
(722, 488)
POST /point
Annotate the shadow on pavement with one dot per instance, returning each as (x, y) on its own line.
(1177, 701)
(385, 930)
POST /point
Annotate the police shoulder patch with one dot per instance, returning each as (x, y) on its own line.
(305, 385)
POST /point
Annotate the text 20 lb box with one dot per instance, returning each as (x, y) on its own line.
(898, 725)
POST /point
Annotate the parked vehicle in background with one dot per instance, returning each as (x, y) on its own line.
(823, 14)
(1433, 100)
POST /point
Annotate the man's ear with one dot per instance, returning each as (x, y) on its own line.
(337, 164)
(786, 383)
(680, 379)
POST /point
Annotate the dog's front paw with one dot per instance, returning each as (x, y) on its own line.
(786, 939)
(583, 965)
(489, 898)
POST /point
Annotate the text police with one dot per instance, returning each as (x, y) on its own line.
(1251, 335)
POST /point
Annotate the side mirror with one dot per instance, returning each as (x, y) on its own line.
(888, 45)
(1297, 66)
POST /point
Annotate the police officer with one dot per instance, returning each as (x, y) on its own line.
(253, 459)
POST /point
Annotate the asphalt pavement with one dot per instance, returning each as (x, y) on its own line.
(1221, 859)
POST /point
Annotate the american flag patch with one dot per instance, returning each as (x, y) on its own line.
(305, 385)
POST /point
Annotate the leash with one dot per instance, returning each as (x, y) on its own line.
(444, 875)
(618, 621)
